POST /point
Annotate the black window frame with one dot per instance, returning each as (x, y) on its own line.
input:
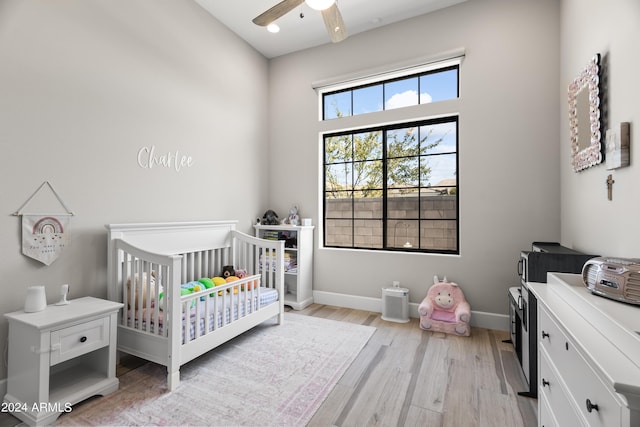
(385, 219)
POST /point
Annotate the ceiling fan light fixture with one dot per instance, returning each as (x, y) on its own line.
(273, 28)
(320, 4)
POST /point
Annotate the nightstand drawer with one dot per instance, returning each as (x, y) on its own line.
(77, 340)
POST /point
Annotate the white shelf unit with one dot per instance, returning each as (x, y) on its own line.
(60, 356)
(298, 276)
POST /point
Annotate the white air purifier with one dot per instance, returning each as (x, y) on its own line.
(395, 304)
(36, 299)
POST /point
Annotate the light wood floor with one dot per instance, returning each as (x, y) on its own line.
(405, 376)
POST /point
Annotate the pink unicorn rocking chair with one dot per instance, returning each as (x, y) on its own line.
(445, 309)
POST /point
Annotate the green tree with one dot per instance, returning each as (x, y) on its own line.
(354, 166)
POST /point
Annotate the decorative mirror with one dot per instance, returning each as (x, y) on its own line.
(584, 117)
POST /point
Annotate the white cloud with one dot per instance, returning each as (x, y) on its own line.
(406, 99)
(425, 98)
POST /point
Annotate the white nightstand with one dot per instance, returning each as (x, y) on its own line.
(59, 357)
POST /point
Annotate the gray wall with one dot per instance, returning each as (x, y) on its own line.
(590, 222)
(83, 86)
(509, 132)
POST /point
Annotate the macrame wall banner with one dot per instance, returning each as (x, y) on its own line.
(44, 235)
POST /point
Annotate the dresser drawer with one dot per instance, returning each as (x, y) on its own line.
(552, 390)
(77, 340)
(551, 336)
(594, 400)
(545, 415)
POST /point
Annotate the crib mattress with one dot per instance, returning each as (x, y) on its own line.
(228, 306)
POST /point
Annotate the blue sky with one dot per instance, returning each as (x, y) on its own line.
(400, 93)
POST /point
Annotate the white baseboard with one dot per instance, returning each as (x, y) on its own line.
(479, 319)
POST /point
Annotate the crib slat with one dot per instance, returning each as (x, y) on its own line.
(207, 313)
(216, 324)
(165, 297)
(147, 289)
(122, 282)
(137, 302)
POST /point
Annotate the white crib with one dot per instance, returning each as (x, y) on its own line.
(165, 327)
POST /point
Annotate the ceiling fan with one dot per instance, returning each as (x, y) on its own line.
(329, 9)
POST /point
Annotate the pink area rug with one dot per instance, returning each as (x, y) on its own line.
(273, 375)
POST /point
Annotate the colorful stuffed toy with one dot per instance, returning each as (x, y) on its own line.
(191, 287)
(445, 309)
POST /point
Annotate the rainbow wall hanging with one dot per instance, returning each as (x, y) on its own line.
(44, 235)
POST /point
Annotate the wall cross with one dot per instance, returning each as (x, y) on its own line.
(610, 182)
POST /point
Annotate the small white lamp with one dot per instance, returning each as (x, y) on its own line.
(320, 4)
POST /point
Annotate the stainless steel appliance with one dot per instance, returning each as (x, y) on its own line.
(549, 256)
(615, 278)
(515, 316)
(533, 266)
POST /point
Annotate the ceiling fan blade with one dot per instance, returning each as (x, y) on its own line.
(276, 12)
(334, 23)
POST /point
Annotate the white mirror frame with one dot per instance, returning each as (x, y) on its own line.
(588, 79)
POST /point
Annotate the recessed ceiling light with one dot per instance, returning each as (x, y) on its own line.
(273, 28)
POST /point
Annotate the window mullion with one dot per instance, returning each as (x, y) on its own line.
(353, 184)
(385, 226)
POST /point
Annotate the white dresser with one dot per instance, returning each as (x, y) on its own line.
(588, 356)
(60, 356)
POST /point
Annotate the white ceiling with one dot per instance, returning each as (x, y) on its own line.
(301, 33)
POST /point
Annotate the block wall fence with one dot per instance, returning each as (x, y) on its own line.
(439, 231)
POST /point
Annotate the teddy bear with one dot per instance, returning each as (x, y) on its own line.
(445, 309)
(293, 218)
(228, 271)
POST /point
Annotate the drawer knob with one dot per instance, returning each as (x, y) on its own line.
(83, 339)
(545, 335)
(545, 383)
(591, 406)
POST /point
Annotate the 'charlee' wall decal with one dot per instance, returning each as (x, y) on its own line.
(147, 159)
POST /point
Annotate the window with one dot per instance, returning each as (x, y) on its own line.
(421, 88)
(392, 186)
